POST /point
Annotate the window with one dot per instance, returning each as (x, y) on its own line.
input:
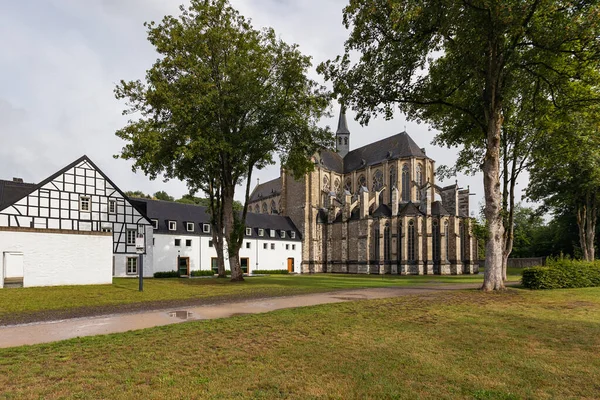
(172, 225)
(346, 140)
(188, 242)
(419, 180)
(348, 184)
(189, 226)
(287, 246)
(446, 238)
(132, 266)
(435, 239)
(387, 250)
(206, 228)
(362, 181)
(265, 246)
(376, 242)
(106, 229)
(177, 242)
(393, 182)
(210, 243)
(377, 180)
(405, 183)
(272, 233)
(257, 209)
(293, 235)
(155, 223)
(340, 140)
(84, 203)
(247, 245)
(411, 240)
(272, 246)
(131, 235)
(273, 207)
(293, 247)
(326, 183)
(261, 232)
(283, 234)
(112, 206)
(264, 208)
(248, 231)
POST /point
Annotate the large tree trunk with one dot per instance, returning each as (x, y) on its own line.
(232, 233)
(586, 222)
(218, 243)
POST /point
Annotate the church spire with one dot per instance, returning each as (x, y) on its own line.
(342, 135)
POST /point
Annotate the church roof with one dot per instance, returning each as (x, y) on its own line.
(410, 209)
(397, 146)
(332, 161)
(382, 211)
(438, 209)
(267, 189)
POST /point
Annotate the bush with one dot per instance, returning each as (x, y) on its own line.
(269, 272)
(169, 274)
(562, 273)
(203, 273)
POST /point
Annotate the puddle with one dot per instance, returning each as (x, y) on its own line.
(180, 314)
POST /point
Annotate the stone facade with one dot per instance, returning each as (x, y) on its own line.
(376, 210)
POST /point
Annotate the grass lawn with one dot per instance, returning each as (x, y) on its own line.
(471, 345)
(23, 302)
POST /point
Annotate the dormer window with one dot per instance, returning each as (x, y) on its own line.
(172, 225)
(283, 234)
(205, 228)
(272, 233)
(248, 231)
(292, 235)
(155, 223)
(261, 232)
(189, 226)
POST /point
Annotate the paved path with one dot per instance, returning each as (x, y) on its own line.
(44, 332)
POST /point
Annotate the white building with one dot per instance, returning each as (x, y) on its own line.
(75, 227)
(183, 239)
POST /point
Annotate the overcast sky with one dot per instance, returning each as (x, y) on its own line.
(61, 59)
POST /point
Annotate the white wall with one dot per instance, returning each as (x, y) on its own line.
(51, 259)
(268, 259)
(120, 259)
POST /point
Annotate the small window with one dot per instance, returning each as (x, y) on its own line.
(206, 228)
(84, 203)
(177, 242)
(248, 231)
(293, 235)
(189, 226)
(287, 246)
(261, 232)
(265, 246)
(210, 243)
(106, 229)
(247, 245)
(283, 234)
(112, 206)
(132, 266)
(293, 247)
(131, 235)
(153, 241)
(272, 233)
(188, 242)
(272, 246)
(155, 223)
(172, 225)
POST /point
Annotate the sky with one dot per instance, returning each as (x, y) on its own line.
(60, 61)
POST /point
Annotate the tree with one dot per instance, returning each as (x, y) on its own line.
(566, 172)
(456, 64)
(220, 101)
(138, 194)
(162, 195)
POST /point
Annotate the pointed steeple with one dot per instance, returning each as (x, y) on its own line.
(342, 135)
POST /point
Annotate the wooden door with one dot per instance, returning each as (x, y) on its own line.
(245, 265)
(290, 265)
(184, 266)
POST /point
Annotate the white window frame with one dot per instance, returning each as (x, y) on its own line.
(272, 233)
(127, 266)
(205, 228)
(248, 231)
(172, 225)
(292, 235)
(87, 200)
(112, 203)
(129, 240)
(154, 224)
(188, 225)
(261, 232)
(282, 234)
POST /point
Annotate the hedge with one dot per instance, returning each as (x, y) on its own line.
(562, 273)
(269, 272)
(169, 274)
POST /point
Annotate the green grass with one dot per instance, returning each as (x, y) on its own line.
(124, 291)
(467, 345)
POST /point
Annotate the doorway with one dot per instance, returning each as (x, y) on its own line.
(214, 265)
(290, 265)
(245, 265)
(184, 266)
(13, 272)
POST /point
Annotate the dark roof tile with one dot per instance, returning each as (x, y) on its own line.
(265, 190)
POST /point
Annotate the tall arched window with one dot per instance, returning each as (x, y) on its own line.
(447, 239)
(264, 208)
(340, 140)
(346, 141)
(405, 183)
(362, 181)
(393, 181)
(326, 183)
(377, 180)
(435, 239)
(411, 240)
(337, 188)
(257, 209)
(348, 184)
(399, 243)
(419, 180)
(461, 232)
(387, 251)
(273, 207)
(376, 241)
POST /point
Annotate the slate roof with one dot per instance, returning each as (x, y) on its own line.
(165, 211)
(342, 123)
(382, 211)
(332, 161)
(397, 146)
(438, 209)
(409, 209)
(11, 191)
(267, 189)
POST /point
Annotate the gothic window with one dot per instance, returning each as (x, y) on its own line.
(362, 181)
(376, 241)
(399, 242)
(387, 252)
(435, 240)
(393, 179)
(411, 240)
(337, 188)
(405, 183)
(419, 180)
(346, 141)
(461, 230)
(446, 238)
(377, 180)
(273, 207)
(326, 183)
(348, 184)
(257, 209)
(340, 140)
(264, 208)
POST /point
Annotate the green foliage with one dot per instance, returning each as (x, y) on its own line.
(138, 193)
(270, 272)
(203, 273)
(167, 274)
(563, 273)
(162, 195)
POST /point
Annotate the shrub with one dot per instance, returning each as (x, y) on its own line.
(203, 273)
(269, 272)
(562, 273)
(168, 274)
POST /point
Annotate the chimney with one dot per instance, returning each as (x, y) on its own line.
(18, 180)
